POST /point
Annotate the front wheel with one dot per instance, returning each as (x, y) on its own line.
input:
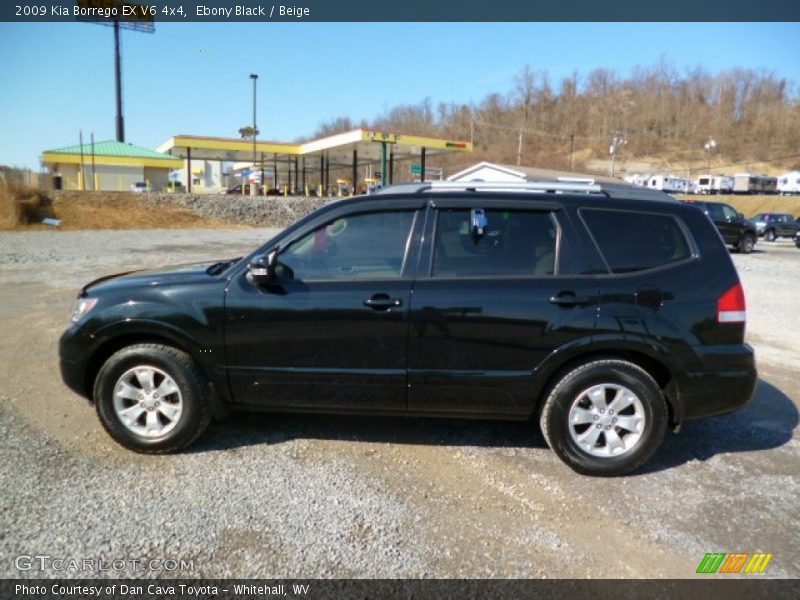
(746, 244)
(604, 418)
(152, 398)
(769, 235)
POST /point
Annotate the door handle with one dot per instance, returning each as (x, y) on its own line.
(570, 299)
(382, 302)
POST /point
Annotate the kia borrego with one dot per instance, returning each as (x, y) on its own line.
(606, 314)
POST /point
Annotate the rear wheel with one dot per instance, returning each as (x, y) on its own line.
(152, 398)
(605, 417)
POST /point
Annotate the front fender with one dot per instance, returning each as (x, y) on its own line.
(206, 350)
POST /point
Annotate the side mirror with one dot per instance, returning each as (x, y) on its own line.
(739, 215)
(262, 268)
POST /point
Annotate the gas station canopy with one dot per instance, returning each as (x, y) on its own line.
(350, 150)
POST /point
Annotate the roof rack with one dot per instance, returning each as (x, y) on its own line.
(587, 186)
(565, 186)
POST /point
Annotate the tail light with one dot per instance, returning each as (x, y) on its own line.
(731, 306)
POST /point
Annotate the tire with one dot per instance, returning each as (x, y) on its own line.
(611, 382)
(171, 415)
(769, 235)
(746, 244)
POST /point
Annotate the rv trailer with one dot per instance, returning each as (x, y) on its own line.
(789, 183)
(745, 183)
(714, 184)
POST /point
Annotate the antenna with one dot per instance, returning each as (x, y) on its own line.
(121, 15)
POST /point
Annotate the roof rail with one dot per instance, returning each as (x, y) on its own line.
(586, 186)
(568, 185)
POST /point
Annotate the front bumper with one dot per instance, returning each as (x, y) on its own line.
(73, 351)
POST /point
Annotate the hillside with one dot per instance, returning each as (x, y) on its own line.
(664, 117)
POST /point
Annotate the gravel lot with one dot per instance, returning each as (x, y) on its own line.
(319, 496)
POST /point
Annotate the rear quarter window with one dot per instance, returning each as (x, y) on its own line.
(635, 241)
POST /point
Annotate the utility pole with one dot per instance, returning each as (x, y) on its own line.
(519, 148)
(616, 142)
(254, 77)
(709, 146)
(94, 174)
(82, 178)
(571, 148)
(143, 23)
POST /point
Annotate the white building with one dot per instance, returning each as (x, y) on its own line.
(208, 176)
(487, 171)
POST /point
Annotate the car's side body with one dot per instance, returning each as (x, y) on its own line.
(774, 225)
(485, 346)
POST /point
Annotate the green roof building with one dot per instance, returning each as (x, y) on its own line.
(108, 166)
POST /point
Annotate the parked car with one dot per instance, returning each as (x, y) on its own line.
(735, 230)
(140, 187)
(775, 225)
(797, 238)
(526, 304)
(237, 189)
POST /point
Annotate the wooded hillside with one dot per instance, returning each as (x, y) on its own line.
(666, 117)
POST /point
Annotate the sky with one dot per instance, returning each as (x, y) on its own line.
(193, 78)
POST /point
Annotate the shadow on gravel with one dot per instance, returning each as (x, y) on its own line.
(247, 429)
(768, 421)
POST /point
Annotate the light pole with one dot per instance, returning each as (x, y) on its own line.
(254, 77)
(616, 142)
(710, 145)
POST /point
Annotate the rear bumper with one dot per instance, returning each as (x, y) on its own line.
(725, 382)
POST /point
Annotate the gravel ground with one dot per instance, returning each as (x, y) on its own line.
(319, 496)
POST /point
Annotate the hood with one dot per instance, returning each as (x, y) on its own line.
(185, 273)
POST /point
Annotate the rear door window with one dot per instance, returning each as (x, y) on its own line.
(633, 241)
(513, 243)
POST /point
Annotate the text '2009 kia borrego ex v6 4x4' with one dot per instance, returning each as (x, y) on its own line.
(608, 314)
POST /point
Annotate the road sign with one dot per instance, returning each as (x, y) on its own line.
(429, 171)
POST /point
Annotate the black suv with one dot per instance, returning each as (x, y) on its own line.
(775, 225)
(606, 316)
(735, 230)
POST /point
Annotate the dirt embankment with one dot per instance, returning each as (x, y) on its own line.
(752, 205)
(24, 209)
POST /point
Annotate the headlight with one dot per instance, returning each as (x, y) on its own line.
(84, 306)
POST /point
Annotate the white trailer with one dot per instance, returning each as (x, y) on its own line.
(667, 183)
(637, 179)
(789, 183)
(747, 183)
(670, 184)
(714, 184)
